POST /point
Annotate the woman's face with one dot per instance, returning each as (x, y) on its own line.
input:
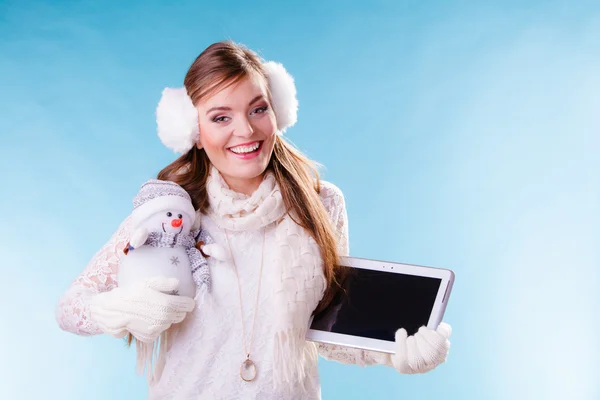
(237, 131)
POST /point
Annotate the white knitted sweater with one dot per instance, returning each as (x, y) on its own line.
(207, 348)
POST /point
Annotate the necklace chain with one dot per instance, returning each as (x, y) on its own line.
(246, 348)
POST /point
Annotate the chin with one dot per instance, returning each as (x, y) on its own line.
(251, 172)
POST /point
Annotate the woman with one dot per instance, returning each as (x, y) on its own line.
(282, 230)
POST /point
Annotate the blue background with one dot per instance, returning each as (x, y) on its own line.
(464, 136)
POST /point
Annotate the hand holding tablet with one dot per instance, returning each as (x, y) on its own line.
(389, 307)
(423, 351)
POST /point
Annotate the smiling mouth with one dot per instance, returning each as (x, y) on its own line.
(163, 226)
(246, 148)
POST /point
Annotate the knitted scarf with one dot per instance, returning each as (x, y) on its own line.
(300, 268)
(199, 265)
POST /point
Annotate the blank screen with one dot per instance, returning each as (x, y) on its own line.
(376, 304)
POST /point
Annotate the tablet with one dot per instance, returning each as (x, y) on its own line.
(378, 298)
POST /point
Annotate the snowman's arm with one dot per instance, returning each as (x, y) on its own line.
(100, 275)
(204, 237)
(138, 238)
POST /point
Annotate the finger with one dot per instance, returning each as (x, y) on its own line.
(147, 332)
(162, 284)
(178, 317)
(399, 358)
(444, 329)
(415, 360)
(171, 304)
(178, 303)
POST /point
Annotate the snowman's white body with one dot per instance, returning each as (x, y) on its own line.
(146, 261)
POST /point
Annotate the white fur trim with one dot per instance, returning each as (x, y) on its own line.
(159, 204)
(283, 93)
(177, 120)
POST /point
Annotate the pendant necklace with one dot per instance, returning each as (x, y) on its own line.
(248, 368)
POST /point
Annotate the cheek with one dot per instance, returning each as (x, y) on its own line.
(211, 138)
(267, 124)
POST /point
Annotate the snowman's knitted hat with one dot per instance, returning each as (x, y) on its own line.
(155, 196)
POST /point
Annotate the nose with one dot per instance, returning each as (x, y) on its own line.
(244, 128)
(176, 223)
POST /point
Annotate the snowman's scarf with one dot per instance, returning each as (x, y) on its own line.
(299, 269)
(200, 271)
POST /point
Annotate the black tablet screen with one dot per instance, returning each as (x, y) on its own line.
(376, 304)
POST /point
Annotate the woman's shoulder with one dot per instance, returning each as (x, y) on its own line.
(329, 189)
(332, 197)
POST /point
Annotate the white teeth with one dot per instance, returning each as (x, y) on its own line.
(245, 149)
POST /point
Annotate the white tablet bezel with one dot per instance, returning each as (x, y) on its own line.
(439, 307)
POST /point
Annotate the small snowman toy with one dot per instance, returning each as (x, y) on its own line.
(162, 244)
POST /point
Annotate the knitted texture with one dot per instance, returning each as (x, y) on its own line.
(157, 195)
(299, 270)
(205, 350)
(286, 363)
(156, 188)
(422, 351)
(142, 309)
(199, 266)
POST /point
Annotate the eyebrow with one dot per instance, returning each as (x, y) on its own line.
(254, 100)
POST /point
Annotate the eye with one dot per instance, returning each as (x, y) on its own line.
(260, 110)
(179, 216)
(221, 119)
(169, 214)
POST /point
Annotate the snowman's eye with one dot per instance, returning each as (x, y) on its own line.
(179, 216)
(169, 214)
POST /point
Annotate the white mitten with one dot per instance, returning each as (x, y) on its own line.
(139, 237)
(144, 309)
(216, 251)
(422, 351)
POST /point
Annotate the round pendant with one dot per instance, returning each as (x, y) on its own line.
(248, 370)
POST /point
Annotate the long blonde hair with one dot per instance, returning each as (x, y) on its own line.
(226, 63)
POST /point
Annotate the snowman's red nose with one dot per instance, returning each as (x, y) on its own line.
(176, 223)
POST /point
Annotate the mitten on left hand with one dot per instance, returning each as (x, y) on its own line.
(422, 351)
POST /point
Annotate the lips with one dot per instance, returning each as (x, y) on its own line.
(244, 154)
(245, 144)
(245, 148)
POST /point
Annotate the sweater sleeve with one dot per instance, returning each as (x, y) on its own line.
(335, 204)
(100, 275)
